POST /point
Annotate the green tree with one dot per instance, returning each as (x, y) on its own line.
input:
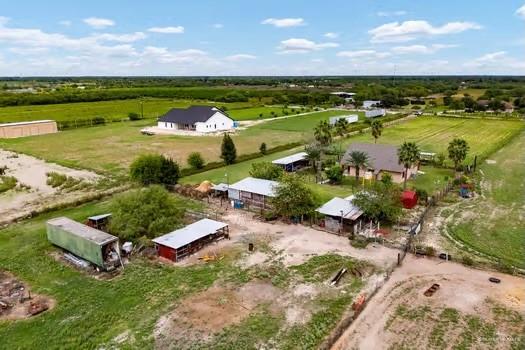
(228, 150)
(379, 202)
(266, 170)
(408, 155)
(323, 133)
(154, 169)
(457, 151)
(195, 160)
(358, 160)
(334, 174)
(133, 116)
(149, 212)
(263, 149)
(386, 179)
(293, 198)
(313, 154)
(341, 127)
(377, 128)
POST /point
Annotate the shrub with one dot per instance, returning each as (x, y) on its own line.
(334, 174)
(148, 212)
(467, 260)
(7, 183)
(98, 120)
(263, 149)
(359, 243)
(3, 170)
(134, 116)
(195, 160)
(55, 179)
(422, 194)
(430, 251)
(266, 170)
(154, 169)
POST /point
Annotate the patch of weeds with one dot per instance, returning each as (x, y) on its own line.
(446, 212)
(7, 183)
(447, 317)
(322, 267)
(518, 343)
(359, 243)
(503, 314)
(476, 330)
(55, 179)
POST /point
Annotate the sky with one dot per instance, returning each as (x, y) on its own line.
(261, 37)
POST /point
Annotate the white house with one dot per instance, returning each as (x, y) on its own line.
(196, 118)
(378, 112)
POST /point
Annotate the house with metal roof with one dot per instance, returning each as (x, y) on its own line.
(381, 159)
(205, 119)
(340, 215)
(292, 162)
(252, 192)
(180, 243)
(95, 246)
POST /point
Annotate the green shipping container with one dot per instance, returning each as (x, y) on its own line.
(85, 242)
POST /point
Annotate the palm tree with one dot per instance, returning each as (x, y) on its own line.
(457, 151)
(341, 127)
(377, 127)
(313, 154)
(322, 133)
(358, 159)
(408, 155)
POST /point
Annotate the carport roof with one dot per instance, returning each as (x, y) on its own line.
(336, 205)
(191, 233)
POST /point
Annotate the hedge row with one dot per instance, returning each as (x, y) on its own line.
(241, 158)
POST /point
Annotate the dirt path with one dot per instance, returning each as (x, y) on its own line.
(466, 290)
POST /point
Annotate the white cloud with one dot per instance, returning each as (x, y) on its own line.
(123, 38)
(420, 49)
(284, 22)
(4, 20)
(410, 30)
(391, 13)
(167, 30)
(491, 57)
(65, 23)
(331, 35)
(240, 57)
(363, 54)
(163, 55)
(218, 26)
(521, 12)
(28, 50)
(99, 23)
(295, 45)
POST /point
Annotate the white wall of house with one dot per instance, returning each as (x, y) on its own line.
(167, 125)
(396, 177)
(217, 122)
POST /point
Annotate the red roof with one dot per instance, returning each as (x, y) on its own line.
(409, 194)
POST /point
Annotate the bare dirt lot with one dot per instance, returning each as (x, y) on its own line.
(17, 301)
(32, 190)
(467, 310)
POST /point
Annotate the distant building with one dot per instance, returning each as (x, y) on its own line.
(368, 104)
(205, 119)
(347, 96)
(252, 192)
(352, 118)
(374, 113)
(292, 162)
(381, 159)
(32, 128)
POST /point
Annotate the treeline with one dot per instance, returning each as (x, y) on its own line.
(303, 97)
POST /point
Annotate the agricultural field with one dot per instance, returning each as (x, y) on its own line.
(432, 134)
(110, 110)
(256, 113)
(277, 294)
(474, 93)
(494, 223)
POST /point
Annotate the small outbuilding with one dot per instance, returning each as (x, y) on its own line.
(370, 104)
(341, 215)
(292, 162)
(409, 199)
(88, 243)
(23, 129)
(253, 192)
(352, 118)
(180, 243)
(374, 113)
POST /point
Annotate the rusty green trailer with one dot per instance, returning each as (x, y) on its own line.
(85, 242)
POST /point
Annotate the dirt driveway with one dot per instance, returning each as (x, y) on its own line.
(399, 314)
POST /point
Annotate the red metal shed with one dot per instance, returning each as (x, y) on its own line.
(409, 199)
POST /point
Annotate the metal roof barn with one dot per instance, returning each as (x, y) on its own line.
(254, 185)
(86, 242)
(293, 162)
(179, 243)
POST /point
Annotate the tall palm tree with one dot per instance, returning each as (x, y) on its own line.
(313, 154)
(358, 159)
(377, 127)
(323, 133)
(408, 155)
(341, 127)
(457, 151)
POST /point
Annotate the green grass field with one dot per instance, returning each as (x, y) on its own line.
(433, 134)
(111, 110)
(305, 123)
(255, 112)
(495, 225)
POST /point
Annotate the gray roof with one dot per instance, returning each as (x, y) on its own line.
(254, 185)
(381, 157)
(291, 158)
(220, 187)
(335, 205)
(76, 228)
(99, 217)
(190, 233)
(190, 115)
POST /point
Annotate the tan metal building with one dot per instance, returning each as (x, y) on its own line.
(23, 129)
